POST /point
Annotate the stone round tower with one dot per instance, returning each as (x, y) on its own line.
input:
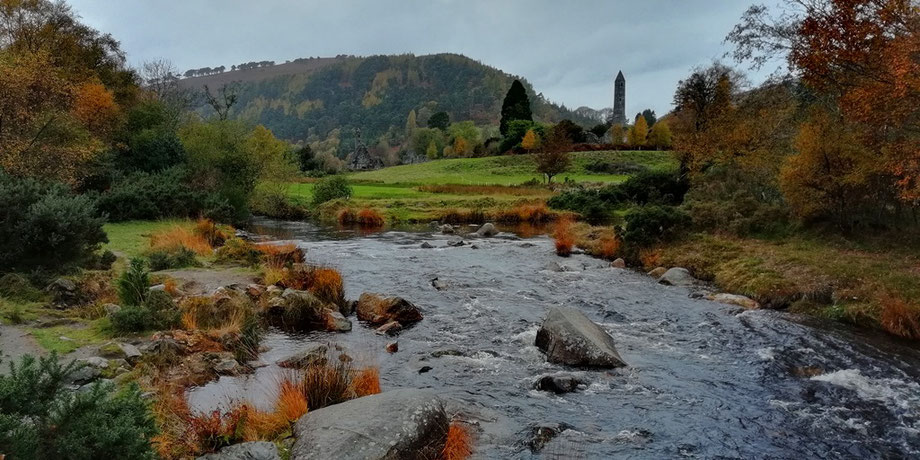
(619, 100)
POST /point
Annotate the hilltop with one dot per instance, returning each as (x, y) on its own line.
(306, 99)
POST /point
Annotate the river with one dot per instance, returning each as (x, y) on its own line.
(704, 380)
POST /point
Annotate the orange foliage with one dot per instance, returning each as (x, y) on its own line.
(217, 429)
(530, 213)
(292, 403)
(900, 318)
(179, 237)
(95, 106)
(564, 237)
(169, 285)
(459, 445)
(366, 382)
(608, 247)
(650, 258)
(457, 216)
(346, 217)
(369, 218)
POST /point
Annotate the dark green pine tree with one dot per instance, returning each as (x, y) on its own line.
(516, 106)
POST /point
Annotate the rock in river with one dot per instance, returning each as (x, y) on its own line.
(379, 310)
(487, 230)
(257, 450)
(677, 276)
(568, 337)
(398, 424)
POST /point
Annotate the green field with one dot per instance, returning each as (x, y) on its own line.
(511, 169)
(405, 192)
(132, 238)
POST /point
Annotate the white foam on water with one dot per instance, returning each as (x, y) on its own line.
(766, 354)
(528, 336)
(891, 391)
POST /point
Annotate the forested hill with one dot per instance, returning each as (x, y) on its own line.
(308, 98)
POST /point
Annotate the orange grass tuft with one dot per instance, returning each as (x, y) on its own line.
(292, 402)
(900, 318)
(462, 216)
(366, 382)
(369, 218)
(327, 285)
(346, 217)
(564, 237)
(608, 247)
(169, 285)
(459, 445)
(214, 234)
(280, 255)
(177, 237)
(530, 213)
(650, 258)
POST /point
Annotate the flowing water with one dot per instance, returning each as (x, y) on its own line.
(704, 380)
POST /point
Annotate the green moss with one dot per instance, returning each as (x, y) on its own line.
(65, 339)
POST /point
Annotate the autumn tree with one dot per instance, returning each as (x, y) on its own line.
(660, 135)
(411, 124)
(617, 134)
(531, 141)
(554, 157)
(515, 106)
(638, 132)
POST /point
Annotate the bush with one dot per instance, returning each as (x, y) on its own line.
(45, 227)
(18, 287)
(729, 201)
(564, 237)
(134, 283)
(273, 201)
(39, 418)
(168, 259)
(331, 188)
(236, 250)
(159, 195)
(655, 187)
(132, 319)
(648, 225)
(593, 204)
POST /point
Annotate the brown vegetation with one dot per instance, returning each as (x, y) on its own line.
(564, 237)
(529, 213)
(280, 255)
(213, 233)
(179, 237)
(900, 318)
(369, 218)
(459, 443)
(457, 189)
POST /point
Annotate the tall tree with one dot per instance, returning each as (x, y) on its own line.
(531, 141)
(554, 157)
(638, 132)
(650, 117)
(660, 135)
(411, 124)
(617, 134)
(223, 101)
(440, 120)
(515, 106)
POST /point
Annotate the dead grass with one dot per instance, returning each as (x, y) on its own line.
(601, 242)
(564, 237)
(529, 213)
(459, 445)
(366, 382)
(899, 318)
(346, 217)
(369, 218)
(280, 255)
(461, 216)
(213, 233)
(327, 384)
(179, 237)
(324, 282)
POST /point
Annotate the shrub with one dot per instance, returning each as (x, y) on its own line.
(237, 250)
(18, 287)
(593, 204)
(39, 418)
(648, 225)
(213, 233)
(134, 283)
(331, 188)
(369, 218)
(900, 318)
(655, 187)
(163, 309)
(171, 259)
(280, 255)
(272, 200)
(725, 200)
(526, 213)
(346, 217)
(564, 237)
(102, 261)
(168, 193)
(45, 227)
(131, 319)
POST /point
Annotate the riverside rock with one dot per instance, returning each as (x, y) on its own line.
(487, 230)
(657, 272)
(568, 337)
(734, 299)
(380, 310)
(398, 424)
(677, 276)
(256, 450)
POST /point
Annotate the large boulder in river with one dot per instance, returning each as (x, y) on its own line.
(399, 424)
(487, 230)
(257, 450)
(568, 337)
(377, 310)
(677, 276)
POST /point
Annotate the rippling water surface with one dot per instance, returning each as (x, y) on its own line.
(704, 380)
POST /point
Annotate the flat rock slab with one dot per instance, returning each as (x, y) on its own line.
(258, 450)
(398, 424)
(568, 337)
(678, 276)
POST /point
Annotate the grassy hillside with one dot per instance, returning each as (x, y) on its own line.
(424, 191)
(375, 94)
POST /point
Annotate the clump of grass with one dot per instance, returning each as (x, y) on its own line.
(323, 282)
(369, 218)
(280, 255)
(462, 216)
(327, 384)
(650, 258)
(366, 382)
(530, 213)
(177, 237)
(214, 234)
(236, 250)
(292, 401)
(346, 217)
(899, 318)
(564, 237)
(217, 429)
(459, 443)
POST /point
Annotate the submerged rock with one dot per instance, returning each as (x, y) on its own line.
(336, 322)
(256, 450)
(317, 353)
(391, 328)
(567, 336)
(447, 229)
(379, 310)
(557, 383)
(734, 299)
(677, 276)
(542, 434)
(554, 266)
(426, 245)
(398, 424)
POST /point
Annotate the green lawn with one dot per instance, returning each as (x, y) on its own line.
(510, 169)
(131, 238)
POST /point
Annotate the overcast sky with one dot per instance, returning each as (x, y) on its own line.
(569, 51)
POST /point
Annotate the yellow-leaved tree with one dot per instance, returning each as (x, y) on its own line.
(531, 141)
(638, 132)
